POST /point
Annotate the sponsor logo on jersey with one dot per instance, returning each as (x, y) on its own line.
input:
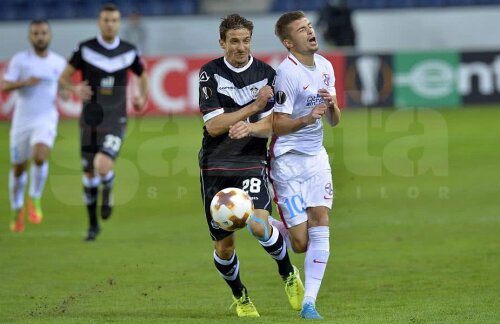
(107, 84)
(314, 100)
(280, 97)
(204, 77)
(305, 87)
(207, 92)
(226, 88)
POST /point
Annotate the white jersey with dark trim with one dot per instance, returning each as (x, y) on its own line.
(105, 67)
(296, 93)
(225, 89)
(36, 104)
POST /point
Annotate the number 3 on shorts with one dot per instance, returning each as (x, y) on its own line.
(112, 142)
(252, 185)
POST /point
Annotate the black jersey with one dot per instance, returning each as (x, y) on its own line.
(225, 89)
(106, 71)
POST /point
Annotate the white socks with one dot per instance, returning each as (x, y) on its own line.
(17, 185)
(315, 261)
(16, 190)
(108, 179)
(38, 177)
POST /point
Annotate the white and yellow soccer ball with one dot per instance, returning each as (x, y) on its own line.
(231, 208)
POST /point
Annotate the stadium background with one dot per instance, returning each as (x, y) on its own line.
(416, 217)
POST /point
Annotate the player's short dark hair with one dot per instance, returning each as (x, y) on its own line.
(281, 27)
(234, 21)
(39, 22)
(109, 7)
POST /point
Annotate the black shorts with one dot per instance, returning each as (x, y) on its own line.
(93, 141)
(254, 183)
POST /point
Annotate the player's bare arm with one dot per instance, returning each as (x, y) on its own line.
(333, 111)
(220, 125)
(263, 128)
(81, 89)
(10, 86)
(283, 124)
(140, 98)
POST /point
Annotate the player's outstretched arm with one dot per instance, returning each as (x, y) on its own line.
(10, 86)
(263, 128)
(140, 98)
(81, 89)
(220, 125)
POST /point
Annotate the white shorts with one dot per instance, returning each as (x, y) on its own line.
(22, 142)
(301, 181)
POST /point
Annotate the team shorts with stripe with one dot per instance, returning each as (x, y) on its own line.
(301, 181)
(93, 141)
(22, 142)
(255, 183)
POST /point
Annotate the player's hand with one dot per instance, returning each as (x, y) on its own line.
(64, 94)
(327, 97)
(240, 130)
(317, 112)
(83, 90)
(264, 95)
(31, 82)
(138, 102)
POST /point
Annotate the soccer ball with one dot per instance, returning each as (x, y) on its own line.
(230, 208)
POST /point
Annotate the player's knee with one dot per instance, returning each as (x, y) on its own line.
(318, 216)
(299, 244)
(39, 159)
(19, 169)
(103, 165)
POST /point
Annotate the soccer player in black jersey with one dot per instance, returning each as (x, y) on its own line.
(236, 100)
(104, 62)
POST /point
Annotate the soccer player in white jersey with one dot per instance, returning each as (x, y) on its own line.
(300, 169)
(33, 73)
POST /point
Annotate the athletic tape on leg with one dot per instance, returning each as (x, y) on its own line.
(260, 221)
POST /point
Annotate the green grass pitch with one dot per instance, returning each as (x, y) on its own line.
(415, 229)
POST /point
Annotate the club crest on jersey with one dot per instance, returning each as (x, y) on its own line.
(280, 97)
(314, 100)
(207, 92)
(326, 79)
(254, 91)
(204, 77)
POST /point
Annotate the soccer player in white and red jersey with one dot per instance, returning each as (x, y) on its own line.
(300, 169)
(33, 74)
